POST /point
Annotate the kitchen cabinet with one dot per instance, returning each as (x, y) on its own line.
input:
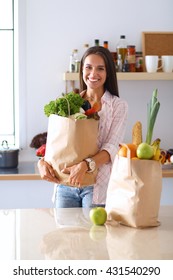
(142, 76)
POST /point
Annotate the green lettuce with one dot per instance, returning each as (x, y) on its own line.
(64, 106)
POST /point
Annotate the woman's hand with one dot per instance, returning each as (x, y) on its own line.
(46, 171)
(76, 172)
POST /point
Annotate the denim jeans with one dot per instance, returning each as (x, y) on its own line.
(70, 197)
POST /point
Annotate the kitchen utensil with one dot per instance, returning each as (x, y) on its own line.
(8, 156)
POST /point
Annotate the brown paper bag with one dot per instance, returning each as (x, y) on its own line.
(134, 191)
(69, 141)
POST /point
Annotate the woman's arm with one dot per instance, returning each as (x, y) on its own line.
(101, 157)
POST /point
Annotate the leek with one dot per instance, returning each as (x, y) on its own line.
(152, 111)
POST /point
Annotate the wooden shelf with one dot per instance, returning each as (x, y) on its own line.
(128, 76)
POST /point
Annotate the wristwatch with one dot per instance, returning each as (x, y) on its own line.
(91, 164)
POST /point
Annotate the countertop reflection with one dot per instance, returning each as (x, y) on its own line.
(67, 234)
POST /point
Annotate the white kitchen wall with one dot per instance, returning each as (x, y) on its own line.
(50, 29)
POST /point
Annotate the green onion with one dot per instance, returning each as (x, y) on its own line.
(152, 111)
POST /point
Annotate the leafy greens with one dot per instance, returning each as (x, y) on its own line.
(64, 106)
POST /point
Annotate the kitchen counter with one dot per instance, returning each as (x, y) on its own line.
(25, 171)
(67, 234)
(28, 171)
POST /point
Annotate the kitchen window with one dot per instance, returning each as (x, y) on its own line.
(7, 94)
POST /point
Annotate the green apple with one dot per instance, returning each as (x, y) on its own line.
(98, 215)
(145, 151)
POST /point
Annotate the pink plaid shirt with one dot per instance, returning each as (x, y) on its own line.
(112, 124)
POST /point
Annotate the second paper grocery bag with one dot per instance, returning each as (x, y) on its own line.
(134, 191)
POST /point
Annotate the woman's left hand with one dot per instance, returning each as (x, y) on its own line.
(76, 172)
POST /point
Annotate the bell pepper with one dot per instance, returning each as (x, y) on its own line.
(40, 152)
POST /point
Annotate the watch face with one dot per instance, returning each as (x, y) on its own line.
(92, 165)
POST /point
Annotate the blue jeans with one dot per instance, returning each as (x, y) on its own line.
(70, 197)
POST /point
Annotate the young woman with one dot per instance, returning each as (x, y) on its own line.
(98, 83)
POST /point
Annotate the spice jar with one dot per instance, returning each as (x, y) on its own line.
(105, 44)
(131, 58)
(139, 62)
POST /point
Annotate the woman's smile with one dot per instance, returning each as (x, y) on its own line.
(92, 80)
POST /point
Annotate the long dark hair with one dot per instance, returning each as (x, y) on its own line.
(111, 83)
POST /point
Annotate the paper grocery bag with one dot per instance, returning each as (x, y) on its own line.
(134, 191)
(69, 141)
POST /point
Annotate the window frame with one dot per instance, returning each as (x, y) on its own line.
(11, 138)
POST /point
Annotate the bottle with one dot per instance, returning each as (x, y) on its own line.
(85, 47)
(125, 66)
(105, 44)
(121, 47)
(72, 63)
(96, 42)
(131, 57)
(119, 64)
(76, 61)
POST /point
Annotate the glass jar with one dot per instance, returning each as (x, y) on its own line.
(105, 44)
(131, 58)
(139, 62)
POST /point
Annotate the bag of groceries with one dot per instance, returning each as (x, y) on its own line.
(135, 185)
(72, 135)
(134, 191)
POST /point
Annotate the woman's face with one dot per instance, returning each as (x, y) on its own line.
(94, 72)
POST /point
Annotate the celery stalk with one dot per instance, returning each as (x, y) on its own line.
(152, 111)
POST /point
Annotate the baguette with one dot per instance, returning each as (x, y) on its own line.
(137, 133)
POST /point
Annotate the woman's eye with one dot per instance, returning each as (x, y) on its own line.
(87, 67)
(101, 69)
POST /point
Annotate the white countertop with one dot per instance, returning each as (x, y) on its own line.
(38, 234)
